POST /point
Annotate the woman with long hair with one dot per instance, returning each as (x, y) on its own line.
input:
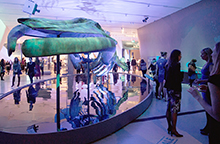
(206, 55)
(213, 86)
(192, 71)
(16, 71)
(173, 77)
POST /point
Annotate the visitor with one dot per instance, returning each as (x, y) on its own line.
(16, 71)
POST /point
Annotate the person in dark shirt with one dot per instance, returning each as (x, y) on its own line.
(30, 69)
(8, 67)
(143, 67)
(152, 67)
(42, 66)
(173, 78)
(133, 64)
(129, 65)
(2, 69)
(115, 68)
(37, 68)
(192, 71)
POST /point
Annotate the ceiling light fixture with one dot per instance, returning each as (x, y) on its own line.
(30, 7)
(145, 19)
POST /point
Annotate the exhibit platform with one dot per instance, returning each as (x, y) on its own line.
(150, 127)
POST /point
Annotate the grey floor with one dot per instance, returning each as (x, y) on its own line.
(150, 127)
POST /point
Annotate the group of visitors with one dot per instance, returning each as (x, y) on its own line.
(133, 65)
(142, 66)
(4, 67)
(207, 93)
(210, 88)
(31, 69)
(157, 71)
(167, 73)
(160, 75)
(168, 77)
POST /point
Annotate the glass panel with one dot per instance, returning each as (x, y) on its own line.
(33, 109)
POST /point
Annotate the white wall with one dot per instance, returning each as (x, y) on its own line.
(119, 38)
(2, 31)
(188, 30)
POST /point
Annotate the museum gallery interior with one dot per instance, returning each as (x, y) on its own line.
(68, 72)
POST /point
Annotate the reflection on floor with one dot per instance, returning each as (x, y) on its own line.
(150, 127)
(36, 104)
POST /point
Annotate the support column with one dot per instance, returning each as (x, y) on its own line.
(58, 93)
(88, 81)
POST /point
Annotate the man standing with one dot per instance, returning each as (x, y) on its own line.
(42, 66)
(133, 64)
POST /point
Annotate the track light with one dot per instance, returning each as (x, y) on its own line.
(145, 19)
(30, 7)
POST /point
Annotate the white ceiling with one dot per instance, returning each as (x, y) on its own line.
(113, 15)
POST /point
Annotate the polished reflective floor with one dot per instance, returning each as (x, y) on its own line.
(149, 128)
(36, 104)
